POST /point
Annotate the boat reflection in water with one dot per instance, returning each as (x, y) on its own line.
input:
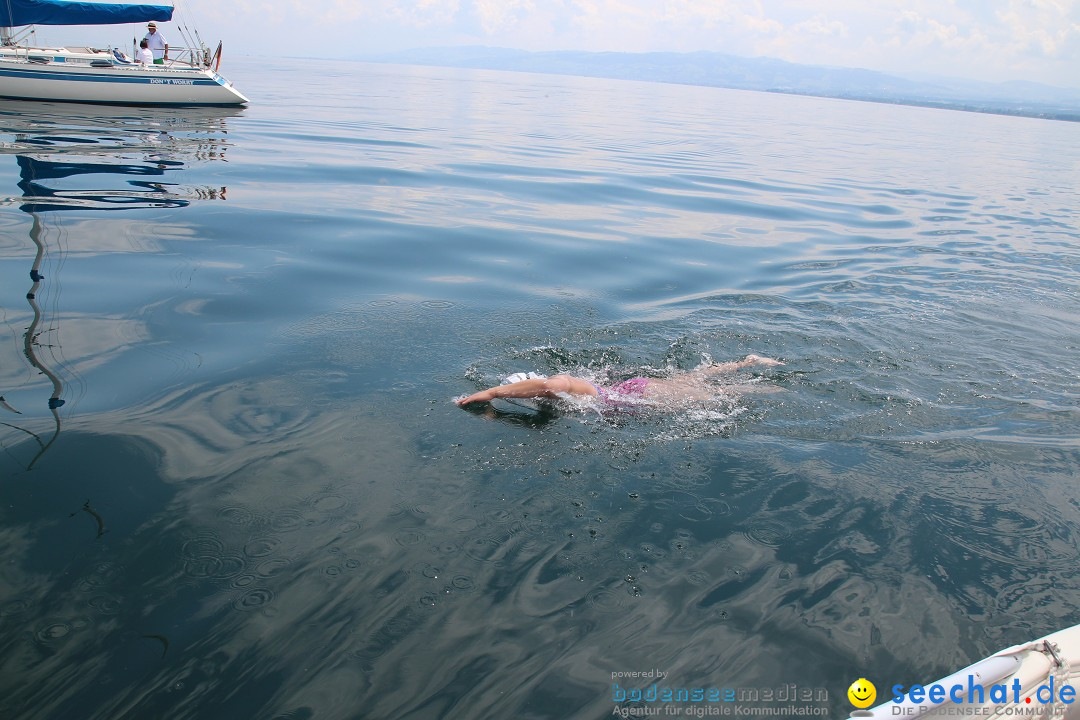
(73, 160)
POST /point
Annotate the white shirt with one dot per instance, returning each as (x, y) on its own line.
(157, 43)
(144, 56)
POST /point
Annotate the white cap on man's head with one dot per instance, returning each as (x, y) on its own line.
(151, 24)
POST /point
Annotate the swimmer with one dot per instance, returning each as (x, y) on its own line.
(687, 386)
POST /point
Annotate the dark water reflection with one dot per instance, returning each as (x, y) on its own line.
(243, 542)
(262, 503)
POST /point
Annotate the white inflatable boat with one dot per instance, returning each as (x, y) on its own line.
(1039, 679)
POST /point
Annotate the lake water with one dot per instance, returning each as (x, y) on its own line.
(238, 487)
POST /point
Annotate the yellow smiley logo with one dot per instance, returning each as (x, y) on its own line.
(862, 693)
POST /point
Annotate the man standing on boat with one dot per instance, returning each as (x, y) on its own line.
(159, 46)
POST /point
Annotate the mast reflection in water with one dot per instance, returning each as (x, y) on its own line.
(80, 158)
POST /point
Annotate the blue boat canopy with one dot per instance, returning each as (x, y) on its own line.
(14, 13)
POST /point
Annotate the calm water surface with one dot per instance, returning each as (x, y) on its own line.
(237, 487)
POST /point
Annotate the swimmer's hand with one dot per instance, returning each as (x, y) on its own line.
(759, 360)
(538, 387)
(483, 396)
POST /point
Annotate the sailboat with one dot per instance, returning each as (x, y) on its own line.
(103, 75)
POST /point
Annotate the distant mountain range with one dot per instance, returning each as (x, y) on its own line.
(764, 74)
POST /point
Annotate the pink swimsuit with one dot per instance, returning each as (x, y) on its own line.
(632, 388)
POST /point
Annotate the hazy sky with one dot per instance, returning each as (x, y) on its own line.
(982, 39)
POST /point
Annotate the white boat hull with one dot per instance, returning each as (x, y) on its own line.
(115, 84)
(1020, 682)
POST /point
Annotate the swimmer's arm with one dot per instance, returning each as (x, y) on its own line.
(537, 388)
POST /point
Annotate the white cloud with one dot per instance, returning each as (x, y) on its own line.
(707, 13)
(821, 25)
(736, 16)
(1049, 27)
(496, 15)
(415, 13)
(424, 13)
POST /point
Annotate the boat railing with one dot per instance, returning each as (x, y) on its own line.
(194, 57)
(179, 57)
(189, 56)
